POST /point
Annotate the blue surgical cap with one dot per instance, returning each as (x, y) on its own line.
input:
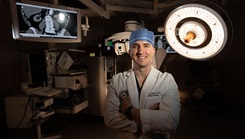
(142, 35)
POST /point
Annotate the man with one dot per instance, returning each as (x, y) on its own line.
(143, 102)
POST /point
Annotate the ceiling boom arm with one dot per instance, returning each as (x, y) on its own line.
(92, 5)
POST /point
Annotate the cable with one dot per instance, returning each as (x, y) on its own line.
(26, 107)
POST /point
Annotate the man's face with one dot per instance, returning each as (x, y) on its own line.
(141, 53)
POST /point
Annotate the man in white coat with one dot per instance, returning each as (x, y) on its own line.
(143, 102)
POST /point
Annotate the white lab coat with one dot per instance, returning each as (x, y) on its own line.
(158, 87)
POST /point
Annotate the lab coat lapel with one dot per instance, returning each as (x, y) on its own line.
(132, 89)
(147, 87)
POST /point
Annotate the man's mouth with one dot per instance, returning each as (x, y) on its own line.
(141, 57)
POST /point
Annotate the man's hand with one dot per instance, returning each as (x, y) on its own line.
(135, 113)
(125, 103)
(155, 107)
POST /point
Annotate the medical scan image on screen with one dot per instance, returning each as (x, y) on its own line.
(44, 22)
(161, 42)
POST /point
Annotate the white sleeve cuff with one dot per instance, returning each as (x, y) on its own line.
(133, 127)
(145, 122)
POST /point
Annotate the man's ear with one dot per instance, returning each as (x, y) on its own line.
(129, 51)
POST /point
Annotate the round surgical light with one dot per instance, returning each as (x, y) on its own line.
(196, 31)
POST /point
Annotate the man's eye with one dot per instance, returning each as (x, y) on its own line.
(134, 46)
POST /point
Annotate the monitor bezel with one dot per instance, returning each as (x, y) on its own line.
(16, 29)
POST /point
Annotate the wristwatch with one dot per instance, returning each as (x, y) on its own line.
(127, 113)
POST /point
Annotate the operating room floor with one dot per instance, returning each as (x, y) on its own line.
(196, 122)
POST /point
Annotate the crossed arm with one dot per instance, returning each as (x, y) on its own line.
(134, 113)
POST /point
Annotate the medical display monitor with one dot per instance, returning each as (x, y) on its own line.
(44, 22)
(161, 42)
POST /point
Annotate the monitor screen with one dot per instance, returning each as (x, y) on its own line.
(44, 22)
(161, 42)
(107, 47)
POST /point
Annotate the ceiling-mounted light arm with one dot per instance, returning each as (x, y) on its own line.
(144, 7)
(129, 9)
(92, 5)
(155, 6)
(54, 1)
(85, 27)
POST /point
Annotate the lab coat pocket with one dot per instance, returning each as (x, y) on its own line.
(152, 99)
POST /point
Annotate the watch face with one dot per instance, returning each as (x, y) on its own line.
(196, 31)
(124, 93)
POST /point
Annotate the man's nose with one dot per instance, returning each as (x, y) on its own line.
(141, 49)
